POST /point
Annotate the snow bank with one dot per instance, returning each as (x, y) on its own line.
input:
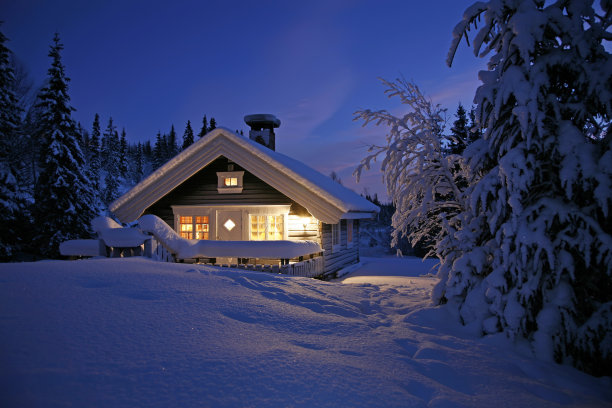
(191, 248)
(80, 247)
(134, 332)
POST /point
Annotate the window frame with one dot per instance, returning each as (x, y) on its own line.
(267, 226)
(336, 235)
(194, 229)
(222, 188)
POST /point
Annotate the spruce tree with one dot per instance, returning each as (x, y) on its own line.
(123, 155)
(459, 132)
(204, 128)
(533, 257)
(95, 164)
(159, 151)
(12, 203)
(171, 146)
(213, 124)
(64, 200)
(139, 166)
(187, 136)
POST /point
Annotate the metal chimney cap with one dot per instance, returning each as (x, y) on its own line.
(262, 120)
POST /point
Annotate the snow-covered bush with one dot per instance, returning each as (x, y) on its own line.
(420, 179)
(534, 255)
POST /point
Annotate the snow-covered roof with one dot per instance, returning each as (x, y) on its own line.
(325, 199)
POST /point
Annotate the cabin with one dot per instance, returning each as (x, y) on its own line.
(229, 187)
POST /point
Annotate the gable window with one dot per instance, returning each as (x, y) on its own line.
(267, 227)
(229, 182)
(194, 227)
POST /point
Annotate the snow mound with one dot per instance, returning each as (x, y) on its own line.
(80, 247)
(192, 248)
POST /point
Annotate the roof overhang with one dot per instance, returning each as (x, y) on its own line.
(254, 158)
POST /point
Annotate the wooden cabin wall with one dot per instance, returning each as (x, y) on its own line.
(339, 258)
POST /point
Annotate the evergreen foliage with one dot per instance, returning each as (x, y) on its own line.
(459, 138)
(187, 136)
(64, 199)
(94, 159)
(204, 128)
(535, 258)
(13, 215)
(213, 124)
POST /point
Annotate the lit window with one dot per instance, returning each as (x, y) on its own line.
(230, 181)
(201, 227)
(267, 227)
(187, 226)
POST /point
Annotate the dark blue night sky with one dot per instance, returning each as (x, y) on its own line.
(151, 64)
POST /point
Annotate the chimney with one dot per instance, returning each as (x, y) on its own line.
(262, 128)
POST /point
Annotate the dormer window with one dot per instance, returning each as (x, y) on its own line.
(229, 182)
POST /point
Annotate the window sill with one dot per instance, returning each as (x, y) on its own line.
(229, 190)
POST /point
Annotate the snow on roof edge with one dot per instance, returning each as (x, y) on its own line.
(321, 185)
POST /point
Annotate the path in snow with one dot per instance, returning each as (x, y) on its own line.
(133, 332)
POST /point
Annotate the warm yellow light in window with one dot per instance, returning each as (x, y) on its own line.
(230, 181)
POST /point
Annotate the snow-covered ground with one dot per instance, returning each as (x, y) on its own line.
(134, 332)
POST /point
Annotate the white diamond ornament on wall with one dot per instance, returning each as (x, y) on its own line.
(229, 225)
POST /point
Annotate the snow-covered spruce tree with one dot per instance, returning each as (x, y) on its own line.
(420, 178)
(12, 202)
(95, 160)
(63, 195)
(534, 256)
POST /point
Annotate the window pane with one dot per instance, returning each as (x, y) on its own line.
(258, 227)
(275, 227)
(201, 227)
(230, 181)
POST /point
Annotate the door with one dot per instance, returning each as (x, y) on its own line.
(229, 225)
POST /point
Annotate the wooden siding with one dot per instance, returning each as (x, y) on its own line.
(201, 189)
(336, 259)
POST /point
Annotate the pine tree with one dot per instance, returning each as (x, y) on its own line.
(64, 200)
(95, 163)
(111, 154)
(123, 155)
(159, 151)
(171, 145)
(534, 255)
(459, 132)
(110, 146)
(213, 124)
(12, 203)
(187, 136)
(204, 128)
(139, 166)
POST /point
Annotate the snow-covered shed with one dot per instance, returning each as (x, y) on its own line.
(229, 187)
